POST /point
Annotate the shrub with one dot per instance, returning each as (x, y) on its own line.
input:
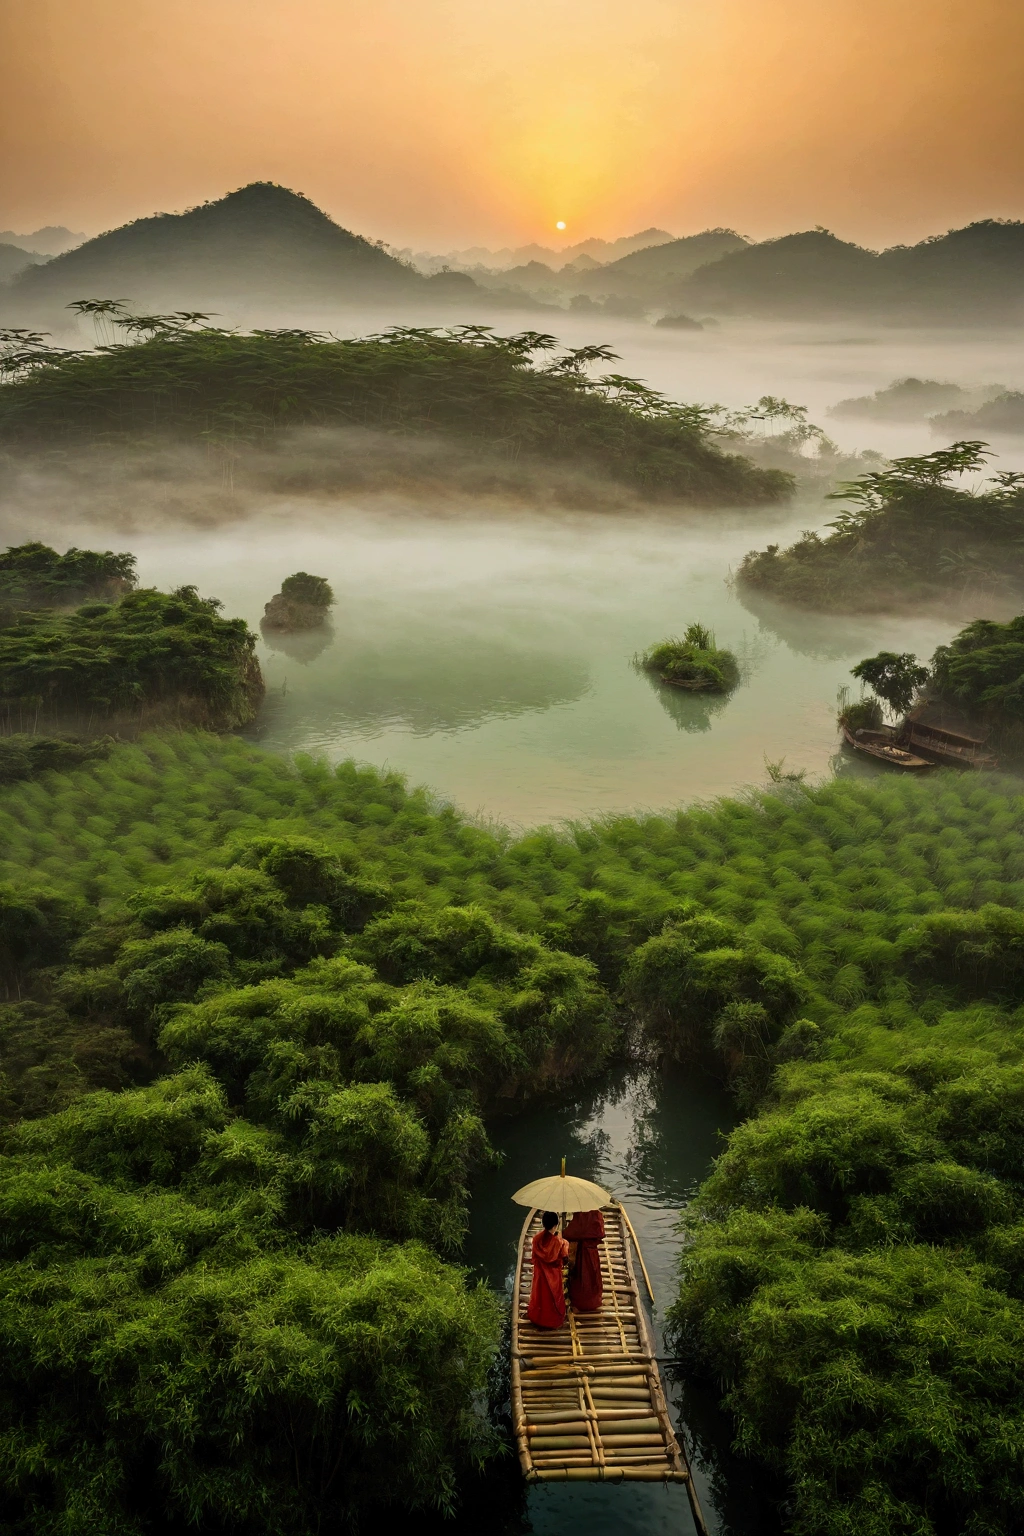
(152, 650)
(693, 662)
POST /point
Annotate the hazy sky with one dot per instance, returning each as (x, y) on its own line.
(455, 122)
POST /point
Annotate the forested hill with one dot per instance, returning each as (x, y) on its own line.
(975, 274)
(262, 240)
(495, 393)
(657, 270)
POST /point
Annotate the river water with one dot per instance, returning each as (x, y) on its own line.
(491, 658)
(647, 1136)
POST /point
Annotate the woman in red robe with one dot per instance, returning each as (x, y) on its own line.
(547, 1298)
(586, 1230)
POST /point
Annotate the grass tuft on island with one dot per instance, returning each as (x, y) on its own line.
(911, 536)
(694, 662)
(179, 378)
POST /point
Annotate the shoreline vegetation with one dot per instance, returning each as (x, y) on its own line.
(978, 678)
(257, 1014)
(911, 536)
(141, 658)
(177, 378)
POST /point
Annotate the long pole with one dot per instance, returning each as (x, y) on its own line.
(639, 1252)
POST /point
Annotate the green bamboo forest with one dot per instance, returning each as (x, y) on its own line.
(260, 1015)
(257, 1014)
(910, 535)
(176, 377)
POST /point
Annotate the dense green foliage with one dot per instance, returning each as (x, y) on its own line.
(35, 576)
(171, 1357)
(895, 676)
(982, 669)
(313, 983)
(224, 387)
(303, 588)
(153, 653)
(694, 662)
(863, 714)
(910, 536)
(25, 757)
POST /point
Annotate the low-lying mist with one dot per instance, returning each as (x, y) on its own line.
(135, 488)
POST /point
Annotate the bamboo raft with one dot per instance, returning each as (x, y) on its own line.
(588, 1403)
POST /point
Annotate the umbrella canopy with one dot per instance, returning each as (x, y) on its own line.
(561, 1192)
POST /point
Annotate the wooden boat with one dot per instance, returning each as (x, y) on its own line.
(949, 748)
(588, 1403)
(882, 745)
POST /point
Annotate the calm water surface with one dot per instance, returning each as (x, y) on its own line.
(492, 659)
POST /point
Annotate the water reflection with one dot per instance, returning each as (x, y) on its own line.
(821, 636)
(304, 646)
(490, 657)
(420, 681)
(689, 711)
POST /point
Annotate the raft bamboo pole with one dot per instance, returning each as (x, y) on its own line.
(657, 1391)
(636, 1245)
(522, 1443)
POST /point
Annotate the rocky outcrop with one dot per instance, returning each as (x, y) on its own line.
(286, 614)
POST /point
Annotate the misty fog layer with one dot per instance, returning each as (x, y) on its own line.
(488, 610)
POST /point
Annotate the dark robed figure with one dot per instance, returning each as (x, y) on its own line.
(586, 1230)
(547, 1296)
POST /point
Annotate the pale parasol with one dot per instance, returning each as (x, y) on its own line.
(561, 1192)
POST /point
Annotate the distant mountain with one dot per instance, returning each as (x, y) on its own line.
(792, 274)
(260, 242)
(971, 275)
(594, 250)
(655, 273)
(49, 241)
(14, 259)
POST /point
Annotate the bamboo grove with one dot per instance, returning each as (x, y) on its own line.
(178, 377)
(257, 1017)
(910, 535)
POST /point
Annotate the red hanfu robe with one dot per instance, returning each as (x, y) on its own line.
(547, 1298)
(585, 1289)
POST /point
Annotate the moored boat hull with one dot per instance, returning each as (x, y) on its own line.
(882, 746)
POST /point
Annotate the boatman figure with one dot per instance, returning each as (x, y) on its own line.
(586, 1231)
(547, 1296)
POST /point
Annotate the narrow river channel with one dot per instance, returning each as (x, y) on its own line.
(647, 1136)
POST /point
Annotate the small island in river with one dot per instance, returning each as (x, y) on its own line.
(694, 662)
(303, 603)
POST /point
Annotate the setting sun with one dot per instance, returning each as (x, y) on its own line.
(560, 224)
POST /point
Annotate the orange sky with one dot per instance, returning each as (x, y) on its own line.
(455, 122)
